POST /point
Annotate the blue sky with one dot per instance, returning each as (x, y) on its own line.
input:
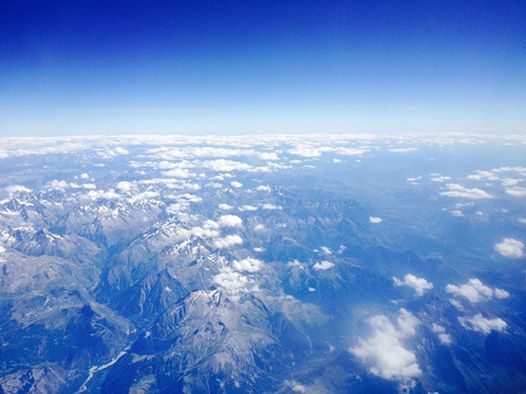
(261, 66)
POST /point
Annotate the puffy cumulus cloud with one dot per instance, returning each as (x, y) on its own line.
(402, 150)
(248, 208)
(270, 207)
(440, 178)
(346, 151)
(268, 156)
(228, 241)
(385, 352)
(109, 153)
(103, 194)
(516, 191)
(475, 291)
(483, 325)
(414, 180)
(13, 189)
(230, 221)
(375, 220)
(225, 207)
(2, 253)
(459, 191)
(231, 280)
(443, 337)
(260, 227)
(511, 248)
(84, 176)
(263, 188)
(481, 175)
(326, 250)
(125, 186)
(209, 229)
(248, 264)
(222, 165)
(305, 151)
(178, 173)
(323, 265)
(419, 285)
(236, 184)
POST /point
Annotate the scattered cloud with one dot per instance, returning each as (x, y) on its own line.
(13, 189)
(375, 220)
(516, 191)
(125, 186)
(419, 285)
(264, 188)
(385, 352)
(402, 150)
(511, 248)
(230, 221)
(458, 191)
(270, 207)
(228, 241)
(483, 325)
(445, 339)
(323, 265)
(475, 291)
(248, 264)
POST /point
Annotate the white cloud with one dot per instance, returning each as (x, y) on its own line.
(296, 387)
(225, 207)
(260, 227)
(375, 220)
(511, 248)
(483, 325)
(125, 186)
(459, 191)
(263, 188)
(178, 173)
(228, 241)
(268, 156)
(230, 221)
(248, 264)
(248, 208)
(516, 191)
(384, 352)
(84, 175)
(481, 175)
(522, 220)
(236, 184)
(222, 165)
(419, 285)
(413, 180)
(323, 265)
(402, 150)
(270, 207)
(17, 189)
(440, 178)
(475, 291)
(305, 152)
(106, 194)
(231, 280)
(445, 339)
(326, 250)
(109, 153)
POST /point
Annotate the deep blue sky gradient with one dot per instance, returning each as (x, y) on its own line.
(77, 67)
